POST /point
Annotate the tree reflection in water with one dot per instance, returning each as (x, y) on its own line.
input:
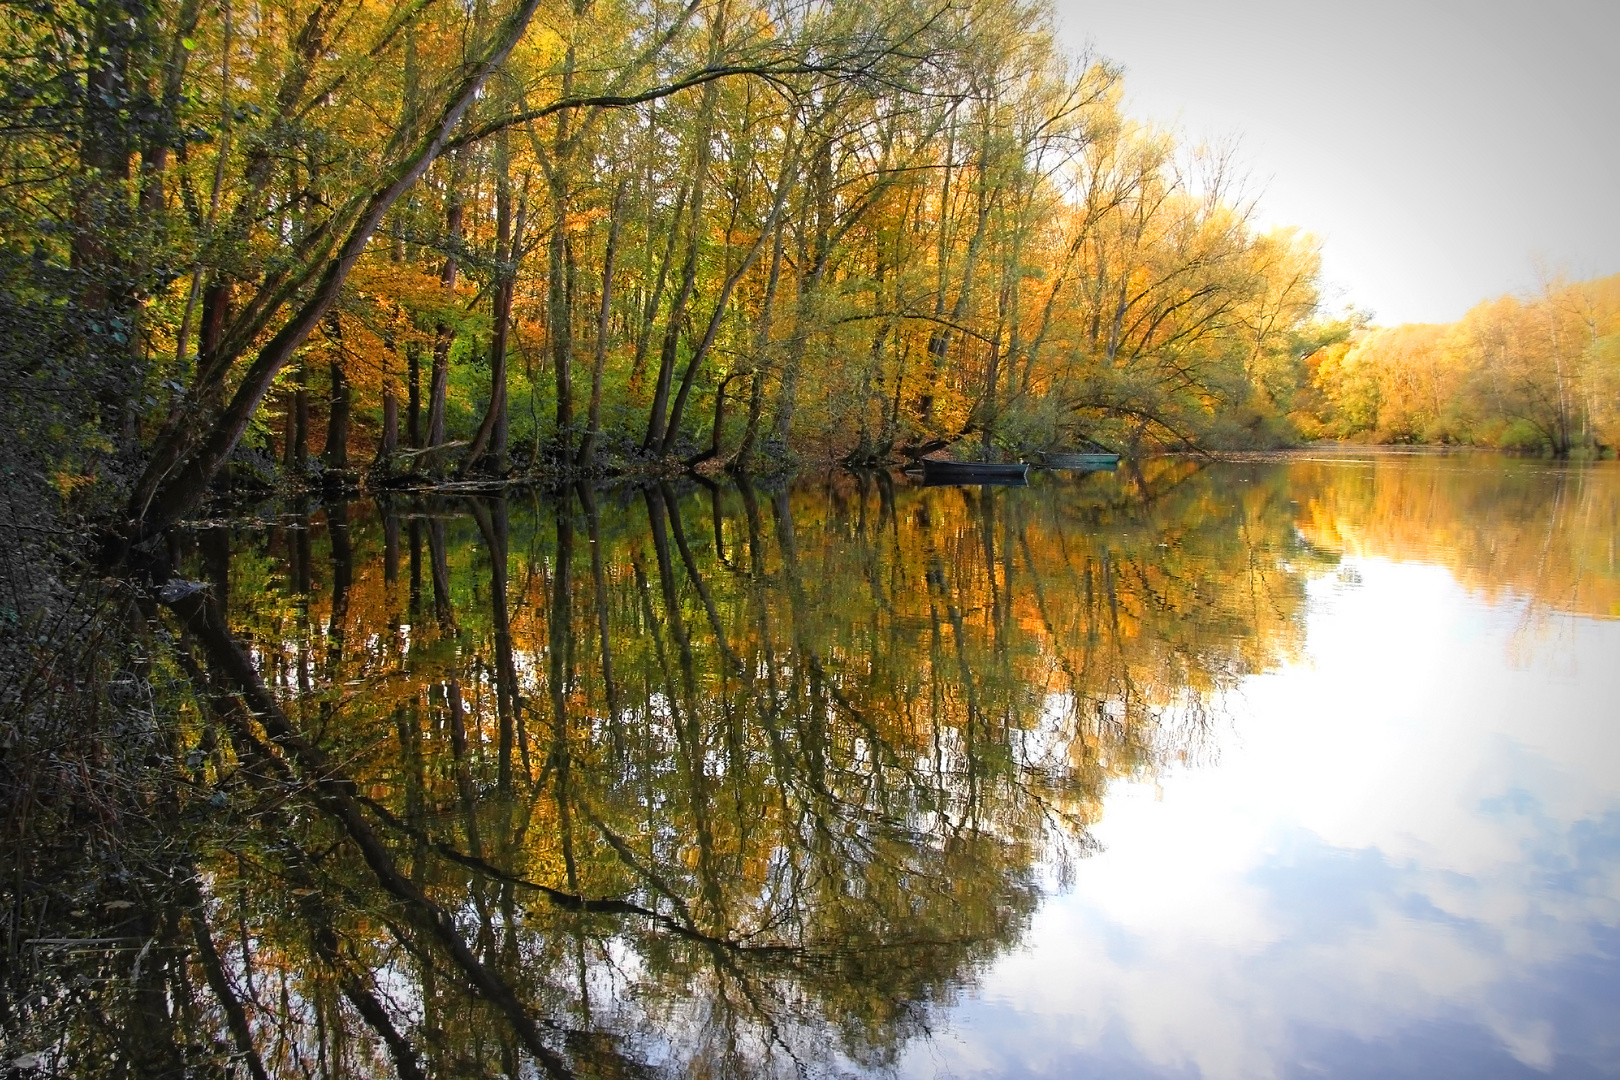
(700, 782)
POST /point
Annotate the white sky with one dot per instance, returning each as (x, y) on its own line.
(1444, 151)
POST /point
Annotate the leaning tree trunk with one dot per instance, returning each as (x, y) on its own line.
(784, 183)
(178, 489)
(654, 440)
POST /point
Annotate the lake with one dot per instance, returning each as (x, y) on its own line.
(1298, 767)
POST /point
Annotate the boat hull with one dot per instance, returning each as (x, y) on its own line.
(1081, 462)
(968, 472)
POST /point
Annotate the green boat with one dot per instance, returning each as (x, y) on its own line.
(1084, 462)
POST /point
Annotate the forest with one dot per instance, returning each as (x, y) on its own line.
(347, 244)
(1538, 374)
(478, 258)
(341, 240)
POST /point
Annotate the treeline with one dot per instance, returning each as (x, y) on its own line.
(1539, 374)
(479, 238)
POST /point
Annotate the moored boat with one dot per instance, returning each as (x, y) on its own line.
(939, 471)
(1081, 461)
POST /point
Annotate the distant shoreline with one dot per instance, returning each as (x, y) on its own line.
(1340, 451)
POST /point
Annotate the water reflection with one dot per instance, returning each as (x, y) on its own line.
(712, 781)
(1408, 860)
(717, 781)
(1516, 527)
(1405, 865)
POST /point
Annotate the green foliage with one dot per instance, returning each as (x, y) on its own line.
(1521, 435)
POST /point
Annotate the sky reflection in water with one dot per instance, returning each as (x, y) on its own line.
(1405, 862)
(1248, 770)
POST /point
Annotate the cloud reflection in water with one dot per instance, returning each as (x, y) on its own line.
(1406, 862)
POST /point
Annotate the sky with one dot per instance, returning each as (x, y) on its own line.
(1444, 152)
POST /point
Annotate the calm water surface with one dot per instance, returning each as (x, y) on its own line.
(1307, 768)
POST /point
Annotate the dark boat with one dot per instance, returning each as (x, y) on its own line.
(1085, 462)
(937, 471)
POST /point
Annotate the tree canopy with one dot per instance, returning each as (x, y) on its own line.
(1538, 374)
(330, 236)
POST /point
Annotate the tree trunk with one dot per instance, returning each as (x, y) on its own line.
(298, 421)
(650, 309)
(784, 183)
(389, 442)
(413, 396)
(177, 490)
(809, 287)
(491, 433)
(587, 445)
(939, 338)
(336, 453)
(992, 376)
(677, 315)
(443, 333)
(654, 439)
(559, 322)
(762, 344)
(718, 427)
